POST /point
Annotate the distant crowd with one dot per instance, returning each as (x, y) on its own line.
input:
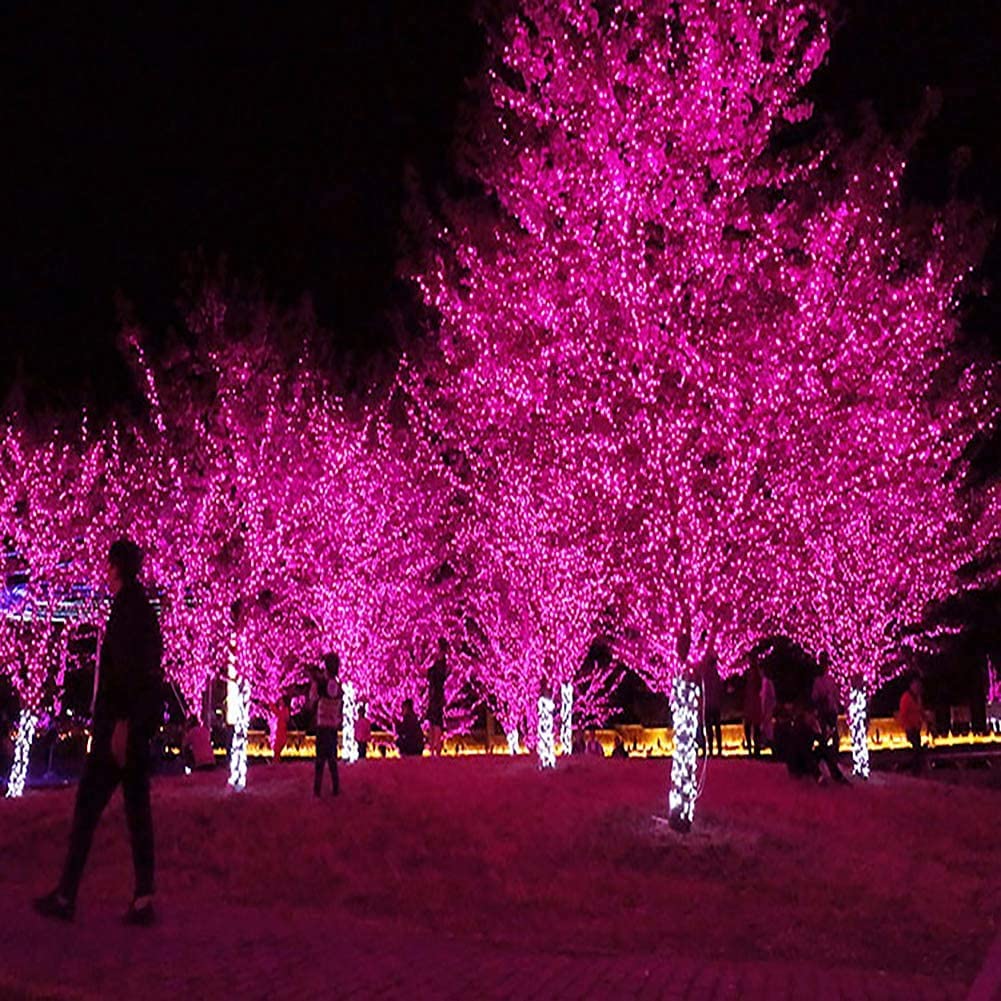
(802, 731)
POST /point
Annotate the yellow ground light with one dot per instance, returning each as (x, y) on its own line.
(884, 734)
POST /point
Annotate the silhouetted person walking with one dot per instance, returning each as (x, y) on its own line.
(752, 711)
(712, 688)
(912, 717)
(363, 731)
(328, 698)
(825, 698)
(437, 673)
(126, 707)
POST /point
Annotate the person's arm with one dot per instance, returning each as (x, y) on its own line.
(111, 704)
(145, 671)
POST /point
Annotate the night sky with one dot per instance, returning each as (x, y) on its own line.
(135, 138)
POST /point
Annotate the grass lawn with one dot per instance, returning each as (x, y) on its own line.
(897, 874)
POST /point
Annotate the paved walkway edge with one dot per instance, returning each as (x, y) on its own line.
(987, 986)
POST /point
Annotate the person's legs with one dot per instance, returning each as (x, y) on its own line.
(326, 755)
(100, 776)
(362, 748)
(139, 815)
(713, 732)
(829, 754)
(718, 726)
(334, 779)
(747, 737)
(318, 769)
(917, 756)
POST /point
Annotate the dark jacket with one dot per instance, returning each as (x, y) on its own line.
(437, 673)
(409, 736)
(130, 677)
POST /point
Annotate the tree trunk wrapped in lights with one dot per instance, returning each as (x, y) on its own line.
(26, 723)
(241, 727)
(685, 716)
(566, 718)
(858, 725)
(546, 743)
(349, 746)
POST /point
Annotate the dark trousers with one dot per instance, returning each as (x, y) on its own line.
(362, 748)
(918, 755)
(714, 727)
(326, 754)
(827, 751)
(752, 738)
(101, 775)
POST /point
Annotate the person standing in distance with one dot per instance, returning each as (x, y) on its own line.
(326, 696)
(437, 674)
(126, 710)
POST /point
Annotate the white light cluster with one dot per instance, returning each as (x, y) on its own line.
(22, 746)
(685, 697)
(241, 724)
(566, 718)
(858, 725)
(546, 749)
(349, 746)
(994, 717)
(512, 741)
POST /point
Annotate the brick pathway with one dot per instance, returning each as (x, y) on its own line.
(252, 954)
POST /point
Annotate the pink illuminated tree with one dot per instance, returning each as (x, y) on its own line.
(292, 520)
(375, 548)
(538, 577)
(884, 517)
(231, 432)
(62, 504)
(649, 284)
(616, 298)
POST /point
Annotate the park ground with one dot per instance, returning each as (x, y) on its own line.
(478, 877)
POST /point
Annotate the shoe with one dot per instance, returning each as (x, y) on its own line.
(140, 916)
(54, 905)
